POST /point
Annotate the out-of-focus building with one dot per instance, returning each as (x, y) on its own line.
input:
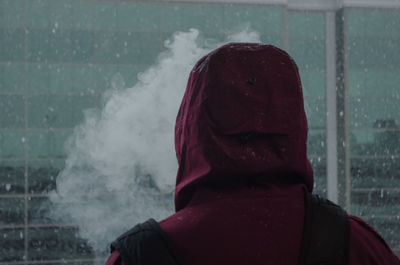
(57, 57)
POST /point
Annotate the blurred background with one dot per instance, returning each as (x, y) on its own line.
(58, 57)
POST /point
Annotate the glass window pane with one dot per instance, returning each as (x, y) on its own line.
(373, 38)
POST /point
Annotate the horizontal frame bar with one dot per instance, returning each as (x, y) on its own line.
(305, 5)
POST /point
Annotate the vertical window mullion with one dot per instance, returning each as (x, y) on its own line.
(331, 107)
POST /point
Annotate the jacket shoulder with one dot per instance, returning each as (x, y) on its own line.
(367, 247)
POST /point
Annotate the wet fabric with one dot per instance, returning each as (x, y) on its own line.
(241, 122)
(324, 242)
(241, 140)
(367, 246)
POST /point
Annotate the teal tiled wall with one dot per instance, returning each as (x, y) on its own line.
(12, 210)
(11, 80)
(57, 57)
(12, 177)
(12, 45)
(13, 115)
(12, 144)
(12, 243)
(11, 13)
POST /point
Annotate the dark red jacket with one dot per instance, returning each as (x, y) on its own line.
(240, 140)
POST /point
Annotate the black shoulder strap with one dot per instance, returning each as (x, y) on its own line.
(326, 233)
(145, 244)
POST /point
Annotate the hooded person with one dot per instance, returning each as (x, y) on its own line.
(241, 145)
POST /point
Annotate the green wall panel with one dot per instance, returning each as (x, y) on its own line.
(361, 136)
(60, 46)
(375, 142)
(107, 75)
(57, 243)
(12, 78)
(272, 39)
(375, 172)
(316, 143)
(308, 53)
(375, 202)
(374, 82)
(39, 211)
(42, 175)
(60, 14)
(127, 47)
(38, 13)
(12, 211)
(266, 20)
(313, 83)
(315, 110)
(57, 111)
(106, 15)
(12, 177)
(47, 144)
(12, 144)
(71, 14)
(12, 245)
(12, 109)
(374, 23)
(60, 78)
(318, 164)
(374, 53)
(12, 13)
(306, 25)
(182, 17)
(307, 39)
(365, 111)
(135, 16)
(12, 45)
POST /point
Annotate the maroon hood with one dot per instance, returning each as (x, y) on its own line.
(241, 122)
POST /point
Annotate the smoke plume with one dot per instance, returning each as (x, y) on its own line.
(121, 162)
